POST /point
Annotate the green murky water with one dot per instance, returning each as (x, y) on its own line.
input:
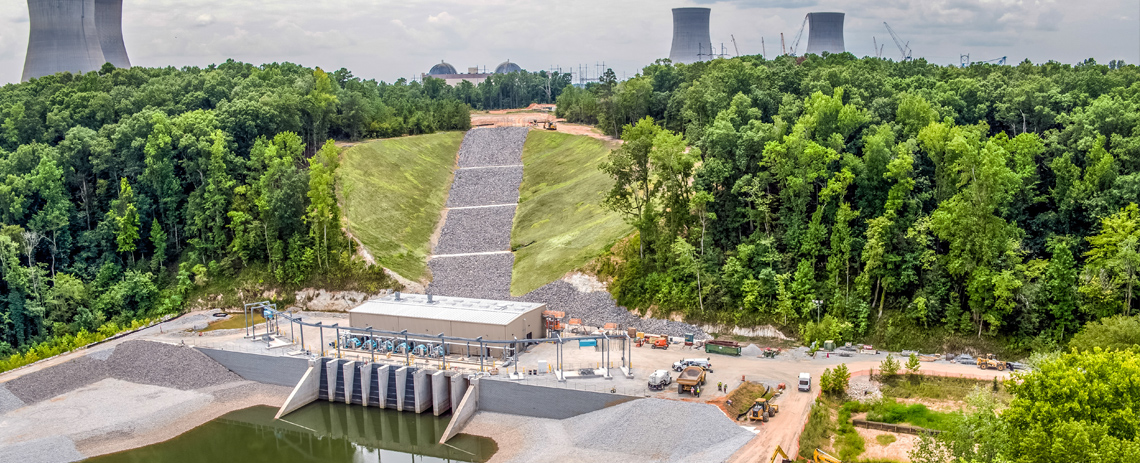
(320, 432)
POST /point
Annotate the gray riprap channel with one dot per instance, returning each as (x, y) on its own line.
(472, 257)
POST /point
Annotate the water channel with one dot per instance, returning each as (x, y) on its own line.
(319, 432)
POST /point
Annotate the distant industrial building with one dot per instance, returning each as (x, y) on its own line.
(452, 316)
(74, 36)
(449, 74)
(825, 33)
(691, 39)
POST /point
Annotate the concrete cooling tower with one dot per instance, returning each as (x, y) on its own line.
(690, 35)
(825, 33)
(74, 36)
(109, 23)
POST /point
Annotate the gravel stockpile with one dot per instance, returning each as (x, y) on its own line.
(140, 362)
(476, 230)
(166, 365)
(52, 381)
(494, 146)
(707, 435)
(485, 186)
(751, 351)
(8, 400)
(598, 308)
(483, 277)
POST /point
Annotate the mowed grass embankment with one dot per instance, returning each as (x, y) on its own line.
(394, 191)
(560, 224)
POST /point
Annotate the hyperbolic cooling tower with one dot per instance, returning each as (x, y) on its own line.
(109, 23)
(690, 35)
(825, 33)
(74, 35)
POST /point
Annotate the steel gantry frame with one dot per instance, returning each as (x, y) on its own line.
(518, 345)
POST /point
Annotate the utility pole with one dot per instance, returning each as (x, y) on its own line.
(763, 49)
(783, 49)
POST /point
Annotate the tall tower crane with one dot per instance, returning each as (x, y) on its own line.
(796, 41)
(904, 48)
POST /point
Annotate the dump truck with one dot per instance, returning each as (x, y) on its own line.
(762, 410)
(989, 362)
(690, 380)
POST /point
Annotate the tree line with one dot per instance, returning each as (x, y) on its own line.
(122, 190)
(505, 91)
(864, 199)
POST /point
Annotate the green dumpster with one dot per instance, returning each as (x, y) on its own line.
(722, 347)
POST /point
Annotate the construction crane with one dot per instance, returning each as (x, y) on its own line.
(783, 51)
(903, 48)
(997, 61)
(734, 44)
(763, 49)
(796, 42)
(964, 60)
(878, 48)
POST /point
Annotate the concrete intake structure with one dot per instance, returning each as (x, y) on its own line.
(74, 36)
(691, 40)
(825, 33)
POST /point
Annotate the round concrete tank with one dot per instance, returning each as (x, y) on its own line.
(825, 33)
(61, 37)
(109, 23)
(507, 67)
(690, 35)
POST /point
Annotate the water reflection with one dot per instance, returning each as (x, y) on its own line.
(319, 432)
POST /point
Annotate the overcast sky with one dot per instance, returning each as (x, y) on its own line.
(386, 40)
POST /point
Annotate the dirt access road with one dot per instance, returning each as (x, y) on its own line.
(533, 119)
(783, 430)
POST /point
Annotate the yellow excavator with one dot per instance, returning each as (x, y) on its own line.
(818, 457)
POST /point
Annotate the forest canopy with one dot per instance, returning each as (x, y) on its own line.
(121, 190)
(865, 199)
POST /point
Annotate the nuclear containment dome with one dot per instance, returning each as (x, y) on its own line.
(507, 67)
(109, 23)
(691, 42)
(825, 33)
(62, 37)
(442, 68)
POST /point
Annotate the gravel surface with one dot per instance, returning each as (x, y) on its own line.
(861, 388)
(707, 435)
(8, 401)
(141, 362)
(485, 186)
(167, 365)
(598, 308)
(55, 449)
(58, 379)
(483, 277)
(476, 230)
(496, 146)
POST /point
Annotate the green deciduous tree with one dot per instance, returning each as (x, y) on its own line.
(1114, 261)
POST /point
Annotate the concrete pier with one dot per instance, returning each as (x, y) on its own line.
(349, 369)
(440, 392)
(401, 378)
(366, 383)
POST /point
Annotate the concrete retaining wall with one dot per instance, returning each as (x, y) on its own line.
(542, 402)
(466, 408)
(459, 383)
(282, 371)
(304, 393)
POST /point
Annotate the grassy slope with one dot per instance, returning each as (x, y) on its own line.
(560, 224)
(394, 191)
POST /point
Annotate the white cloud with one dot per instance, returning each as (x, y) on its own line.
(204, 20)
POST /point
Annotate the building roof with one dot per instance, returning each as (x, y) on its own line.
(460, 309)
(442, 68)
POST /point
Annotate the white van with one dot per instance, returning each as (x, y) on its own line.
(805, 382)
